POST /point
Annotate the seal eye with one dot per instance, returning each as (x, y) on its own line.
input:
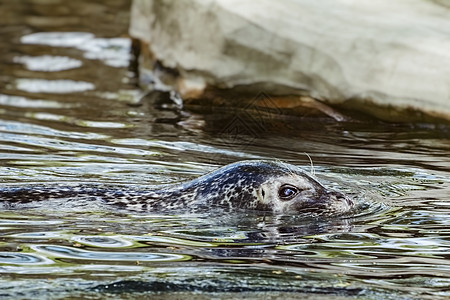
(287, 192)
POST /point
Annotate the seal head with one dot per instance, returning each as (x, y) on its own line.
(267, 186)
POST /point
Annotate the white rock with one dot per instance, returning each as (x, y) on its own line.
(390, 53)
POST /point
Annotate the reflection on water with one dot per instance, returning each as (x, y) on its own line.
(114, 52)
(23, 259)
(53, 86)
(47, 63)
(74, 253)
(70, 112)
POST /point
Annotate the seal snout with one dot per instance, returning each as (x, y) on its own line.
(339, 201)
(340, 197)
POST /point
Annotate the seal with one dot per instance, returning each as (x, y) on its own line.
(260, 185)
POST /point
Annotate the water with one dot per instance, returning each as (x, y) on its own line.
(70, 112)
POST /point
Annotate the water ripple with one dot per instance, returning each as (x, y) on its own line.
(60, 86)
(58, 144)
(15, 258)
(170, 241)
(18, 101)
(48, 63)
(24, 128)
(113, 52)
(39, 235)
(29, 222)
(74, 253)
(103, 241)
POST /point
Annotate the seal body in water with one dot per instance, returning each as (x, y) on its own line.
(255, 185)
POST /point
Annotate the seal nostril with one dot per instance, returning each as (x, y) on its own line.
(349, 201)
(263, 193)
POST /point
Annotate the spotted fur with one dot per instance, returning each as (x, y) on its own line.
(250, 185)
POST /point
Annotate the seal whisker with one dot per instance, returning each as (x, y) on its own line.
(288, 168)
(313, 172)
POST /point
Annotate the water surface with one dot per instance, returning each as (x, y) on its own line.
(70, 111)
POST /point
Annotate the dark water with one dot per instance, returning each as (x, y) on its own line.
(70, 111)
